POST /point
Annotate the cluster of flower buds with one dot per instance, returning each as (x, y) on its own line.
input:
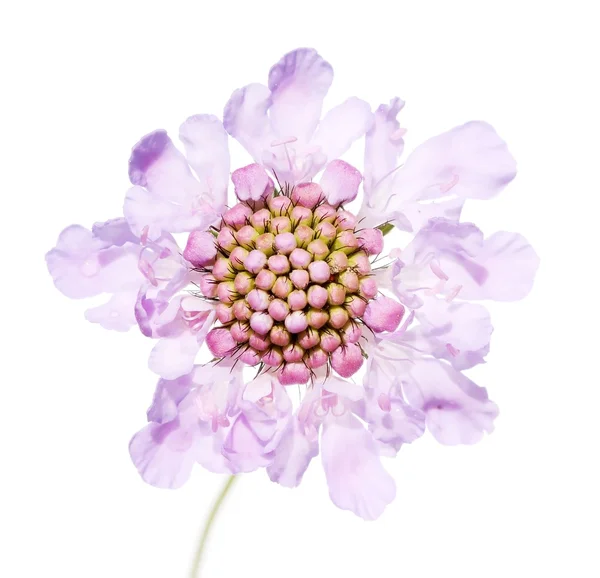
(293, 279)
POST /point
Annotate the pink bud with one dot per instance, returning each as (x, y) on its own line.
(308, 339)
(260, 219)
(255, 261)
(351, 332)
(261, 322)
(279, 264)
(237, 216)
(368, 287)
(340, 181)
(200, 249)
(317, 296)
(265, 243)
(304, 235)
(360, 262)
(282, 288)
(250, 357)
(240, 332)
(337, 261)
(317, 358)
(345, 221)
(208, 285)
(258, 299)
(300, 259)
(349, 279)
(226, 292)
(383, 314)
(224, 313)
(371, 241)
(347, 360)
(243, 283)
(338, 317)
(294, 373)
(280, 225)
(307, 194)
(317, 318)
(319, 272)
(285, 243)
(324, 212)
(336, 293)
(347, 242)
(226, 239)
(237, 258)
(241, 310)
(297, 300)
(330, 341)
(246, 236)
(299, 278)
(259, 342)
(279, 336)
(278, 309)
(296, 322)
(301, 216)
(222, 270)
(318, 249)
(265, 279)
(273, 357)
(292, 353)
(355, 306)
(220, 342)
(325, 231)
(279, 205)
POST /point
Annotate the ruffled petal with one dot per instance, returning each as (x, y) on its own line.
(117, 314)
(298, 84)
(162, 455)
(251, 183)
(383, 144)
(454, 259)
(207, 151)
(292, 456)
(356, 478)
(341, 126)
(469, 161)
(244, 449)
(173, 357)
(457, 332)
(246, 119)
(166, 196)
(458, 411)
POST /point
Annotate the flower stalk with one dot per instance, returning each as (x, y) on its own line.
(195, 568)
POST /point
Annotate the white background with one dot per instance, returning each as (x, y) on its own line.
(83, 81)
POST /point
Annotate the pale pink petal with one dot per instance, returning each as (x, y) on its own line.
(200, 249)
(458, 411)
(161, 454)
(356, 478)
(292, 456)
(340, 182)
(172, 357)
(243, 447)
(207, 151)
(383, 144)
(245, 118)
(117, 314)
(298, 84)
(341, 126)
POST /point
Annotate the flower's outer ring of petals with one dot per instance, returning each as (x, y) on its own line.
(298, 85)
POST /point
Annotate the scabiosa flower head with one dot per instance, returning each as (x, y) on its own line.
(289, 285)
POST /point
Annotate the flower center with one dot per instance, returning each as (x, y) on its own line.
(293, 283)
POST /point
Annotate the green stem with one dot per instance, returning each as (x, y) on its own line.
(207, 526)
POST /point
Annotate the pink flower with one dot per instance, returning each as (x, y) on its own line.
(287, 284)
